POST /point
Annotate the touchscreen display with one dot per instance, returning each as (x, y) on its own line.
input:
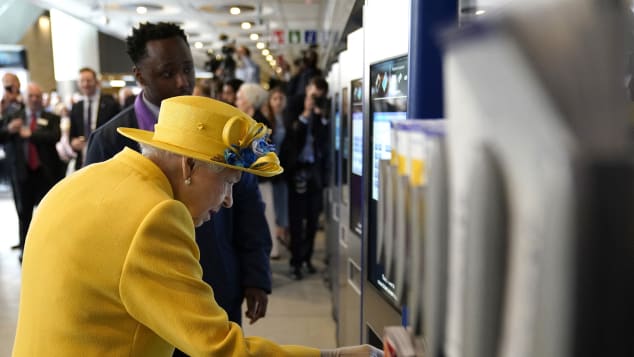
(388, 101)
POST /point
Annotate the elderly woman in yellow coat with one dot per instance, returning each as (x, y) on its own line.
(111, 264)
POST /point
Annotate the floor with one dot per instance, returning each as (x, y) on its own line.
(299, 312)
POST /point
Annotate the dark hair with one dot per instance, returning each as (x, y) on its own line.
(136, 43)
(88, 69)
(246, 51)
(320, 83)
(234, 83)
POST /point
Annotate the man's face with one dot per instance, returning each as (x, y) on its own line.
(34, 98)
(313, 91)
(87, 83)
(11, 87)
(167, 71)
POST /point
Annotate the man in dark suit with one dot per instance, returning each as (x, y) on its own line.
(94, 110)
(235, 244)
(303, 158)
(9, 104)
(29, 136)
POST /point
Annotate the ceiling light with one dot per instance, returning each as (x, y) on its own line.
(260, 45)
(278, 70)
(44, 22)
(269, 57)
(198, 44)
(245, 25)
(254, 36)
(117, 83)
(480, 12)
(141, 10)
(273, 62)
(234, 10)
(265, 52)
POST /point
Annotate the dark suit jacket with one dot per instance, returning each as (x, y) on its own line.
(234, 246)
(46, 134)
(108, 108)
(295, 140)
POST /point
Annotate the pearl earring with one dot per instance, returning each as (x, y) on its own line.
(188, 181)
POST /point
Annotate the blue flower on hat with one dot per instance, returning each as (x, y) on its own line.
(247, 156)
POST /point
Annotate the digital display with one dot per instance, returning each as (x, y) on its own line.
(337, 139)
(388, 101)
(356, 169)
(13, 58)
(337, 122)
(345, 137)
(357, 143)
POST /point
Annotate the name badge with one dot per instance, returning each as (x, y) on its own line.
(42, 121)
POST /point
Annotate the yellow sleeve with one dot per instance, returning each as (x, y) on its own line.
(161, 287)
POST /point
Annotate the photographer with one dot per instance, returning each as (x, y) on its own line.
(247, 70)
(303, 157)
(223, 67)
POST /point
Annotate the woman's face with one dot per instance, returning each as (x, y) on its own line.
(209, 191)
(242, 103)
(228, 95)
(277, 102)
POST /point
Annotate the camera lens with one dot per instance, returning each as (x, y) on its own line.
(8, 89)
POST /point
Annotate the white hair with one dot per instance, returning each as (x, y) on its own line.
(254, 94)
(148, 150)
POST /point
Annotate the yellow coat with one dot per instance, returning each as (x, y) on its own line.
(111, 269)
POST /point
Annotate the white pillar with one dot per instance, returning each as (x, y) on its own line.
(75, 45)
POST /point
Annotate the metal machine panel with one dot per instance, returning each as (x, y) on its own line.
(350, 273)
(386, 35)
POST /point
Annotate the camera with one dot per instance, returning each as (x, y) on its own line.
(228, 50)
(320, 101)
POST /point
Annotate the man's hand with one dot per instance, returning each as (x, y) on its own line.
(78, 143)
(25, 132)
(14, 125)
(257, 300)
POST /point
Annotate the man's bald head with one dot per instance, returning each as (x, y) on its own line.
(11, 86)
(34, 97)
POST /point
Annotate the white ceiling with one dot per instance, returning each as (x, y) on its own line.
(206, 20)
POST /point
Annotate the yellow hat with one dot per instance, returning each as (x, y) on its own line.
(209, 130)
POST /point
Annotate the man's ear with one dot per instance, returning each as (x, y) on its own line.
(138, 76)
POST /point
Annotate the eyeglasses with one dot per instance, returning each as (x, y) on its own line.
(8, 89)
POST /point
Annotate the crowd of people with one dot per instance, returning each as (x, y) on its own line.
(296, 112)
(232, 189)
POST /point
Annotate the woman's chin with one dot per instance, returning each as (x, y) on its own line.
(200, 220)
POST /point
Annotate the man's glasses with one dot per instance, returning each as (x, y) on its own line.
(8, 89)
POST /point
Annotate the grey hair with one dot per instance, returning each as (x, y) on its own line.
(152, 151)
(254, 94)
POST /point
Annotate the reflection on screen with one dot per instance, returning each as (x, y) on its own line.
(388, 101)
(357, 143)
